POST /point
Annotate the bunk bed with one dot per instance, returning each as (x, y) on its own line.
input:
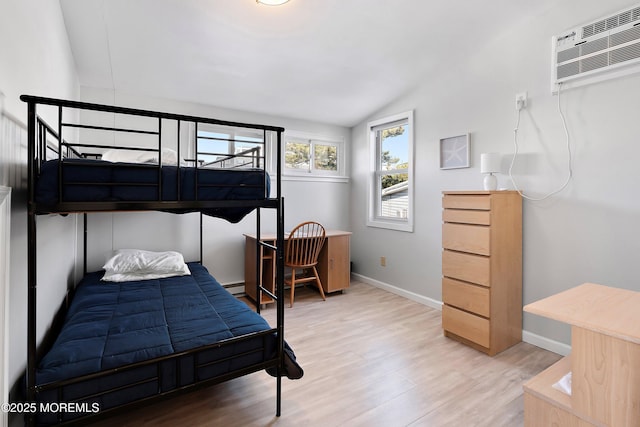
(116, 345)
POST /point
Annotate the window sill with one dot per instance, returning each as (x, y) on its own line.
(391, 225)
(316, 178)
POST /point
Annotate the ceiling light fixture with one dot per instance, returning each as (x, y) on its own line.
(272, 2)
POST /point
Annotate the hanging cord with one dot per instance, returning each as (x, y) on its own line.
(515, 154)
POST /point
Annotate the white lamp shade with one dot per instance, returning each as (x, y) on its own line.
(490, 162)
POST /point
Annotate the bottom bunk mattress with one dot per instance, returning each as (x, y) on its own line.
(117, 327)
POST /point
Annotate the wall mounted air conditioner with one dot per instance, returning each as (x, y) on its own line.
(603, 49)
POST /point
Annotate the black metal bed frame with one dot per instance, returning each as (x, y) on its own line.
(39, 133)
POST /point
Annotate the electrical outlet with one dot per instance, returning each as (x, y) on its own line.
(383, 261)
(521, 100)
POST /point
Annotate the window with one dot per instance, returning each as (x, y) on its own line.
(313, 156)
(391, 175)
(230, 148)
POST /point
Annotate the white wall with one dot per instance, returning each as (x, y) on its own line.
(35, 58)
(589, 232)
(5, 264)
(327, 202)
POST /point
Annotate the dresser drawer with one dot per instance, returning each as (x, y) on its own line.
(467, 267)
(466, 325)
(466, 238)
(466, 216)
(466, 297)
(466, 201)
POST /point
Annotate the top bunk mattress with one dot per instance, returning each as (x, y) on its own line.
(87, 180)
(110, 325)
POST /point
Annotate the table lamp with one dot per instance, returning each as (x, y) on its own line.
(490, 164)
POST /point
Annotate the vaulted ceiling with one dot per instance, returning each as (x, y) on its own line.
(333, 61)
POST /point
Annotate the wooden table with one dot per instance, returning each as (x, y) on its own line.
(333, 263)
(604, 360)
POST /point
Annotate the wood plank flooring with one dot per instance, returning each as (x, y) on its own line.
(371, 358)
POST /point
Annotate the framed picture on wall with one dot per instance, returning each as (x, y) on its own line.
(454, 152)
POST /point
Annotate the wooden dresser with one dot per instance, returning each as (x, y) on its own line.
(482, 268)
(604, 361)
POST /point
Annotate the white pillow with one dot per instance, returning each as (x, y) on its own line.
(169, 156)
(134, 277)
(137, 264)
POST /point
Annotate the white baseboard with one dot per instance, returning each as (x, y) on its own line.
(234, 288)
(429, 302)
(528, 337)
(546, 343)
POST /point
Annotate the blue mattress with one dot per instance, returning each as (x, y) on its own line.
(86, 180)
(110, 325)
(115, 324)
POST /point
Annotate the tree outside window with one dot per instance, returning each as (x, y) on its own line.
(311, 156)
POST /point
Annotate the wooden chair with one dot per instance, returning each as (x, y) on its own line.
(301, 255)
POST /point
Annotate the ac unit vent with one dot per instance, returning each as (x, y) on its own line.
(611, 22)
(625, 54)
(606, 48)
(625, 36)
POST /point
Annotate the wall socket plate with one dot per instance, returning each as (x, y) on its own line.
(521, 100)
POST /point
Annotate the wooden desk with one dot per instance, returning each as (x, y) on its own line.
(333, 263)
(604, 360)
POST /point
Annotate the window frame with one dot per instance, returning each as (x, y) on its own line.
(376, 172)
(235, 137)
(312, 173)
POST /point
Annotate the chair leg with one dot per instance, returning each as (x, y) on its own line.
(315, 272)
(293, 286)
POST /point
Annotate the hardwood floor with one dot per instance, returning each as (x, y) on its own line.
(371, 358)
